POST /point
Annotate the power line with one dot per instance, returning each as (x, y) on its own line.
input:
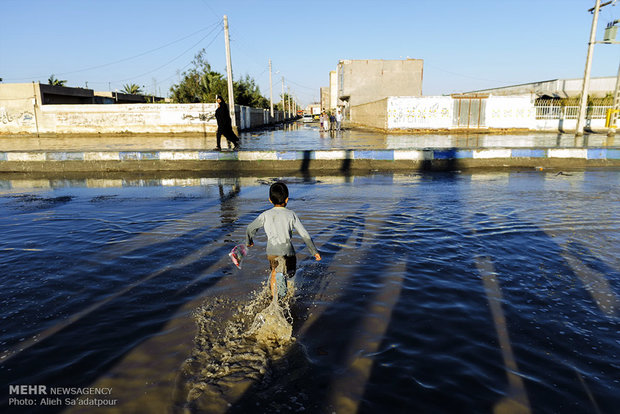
(301, 86)
(178, 56)
(206, 47)
(211, 9)
(175, 58)
(127, 58)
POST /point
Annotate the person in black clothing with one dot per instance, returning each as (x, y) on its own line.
(224, 124)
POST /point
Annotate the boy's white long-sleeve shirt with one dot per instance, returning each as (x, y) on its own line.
(279, 223)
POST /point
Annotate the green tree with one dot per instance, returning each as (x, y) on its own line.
(248, 93)
(52, 80)
(132, 88)
(285, 98)
(200, 83)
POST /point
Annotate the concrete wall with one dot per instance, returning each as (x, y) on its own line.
(122, 118)
(248, 118)
(437, 112)
(19, 107)
(23, 115)
(429, 112)
(510, 112)
(293, 162)
(371, 114)
(562, 125)
(365, 81)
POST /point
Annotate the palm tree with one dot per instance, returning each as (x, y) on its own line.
(52, 80)
(132, 89)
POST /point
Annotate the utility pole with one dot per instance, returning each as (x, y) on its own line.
(270, 91)
(290, 113)
(616, 105)
(283, 105)
(583, 102)
(231, 95)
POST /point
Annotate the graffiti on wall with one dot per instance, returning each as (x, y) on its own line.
(510, 112)
(16, 118)
(201, 117)
(436, 112)
(100, 119)
(427, 112)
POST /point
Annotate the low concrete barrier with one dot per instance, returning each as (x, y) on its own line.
(306, 161)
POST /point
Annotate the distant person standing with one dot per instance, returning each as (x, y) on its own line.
(224, 125)
(325, 121)
(338, 119)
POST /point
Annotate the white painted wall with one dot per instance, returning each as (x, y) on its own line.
(133, 118)
(436, 112)
(433, 112)
(510, 112)
(118, 118)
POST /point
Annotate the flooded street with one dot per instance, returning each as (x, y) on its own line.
(437, 292)
(303, 136)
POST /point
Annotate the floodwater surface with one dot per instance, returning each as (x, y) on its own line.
(436, 293)
(299, 136)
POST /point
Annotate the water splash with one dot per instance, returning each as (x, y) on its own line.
(236, 346)
(271, 327)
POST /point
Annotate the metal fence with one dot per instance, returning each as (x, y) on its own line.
(550, 110)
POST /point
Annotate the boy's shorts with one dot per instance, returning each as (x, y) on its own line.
(285, 264)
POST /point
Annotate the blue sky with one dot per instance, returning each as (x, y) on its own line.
(465, 45)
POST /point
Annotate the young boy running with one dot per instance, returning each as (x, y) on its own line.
(279, 223)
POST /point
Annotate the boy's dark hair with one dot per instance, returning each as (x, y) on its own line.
(278, 193)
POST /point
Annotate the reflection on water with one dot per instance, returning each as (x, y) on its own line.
(437, 292)
(300, 136)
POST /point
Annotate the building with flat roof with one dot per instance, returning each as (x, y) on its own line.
(46, 94)
(325, 98)
(333, 91)
(363, 81)
(555, 88)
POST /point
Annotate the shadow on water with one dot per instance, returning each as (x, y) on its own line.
(442, 371)
(480, 289)
(109, 333)
(560, 286)
(345, 168)
(228, 205)
(291, 371)
(342, 231)
(533, 372)
(443, 160)
(346, 163)
(328, 358)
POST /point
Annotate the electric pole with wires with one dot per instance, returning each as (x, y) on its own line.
(231, 94)
(583, 101)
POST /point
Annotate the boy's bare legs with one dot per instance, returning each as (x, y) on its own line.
(272, 284)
